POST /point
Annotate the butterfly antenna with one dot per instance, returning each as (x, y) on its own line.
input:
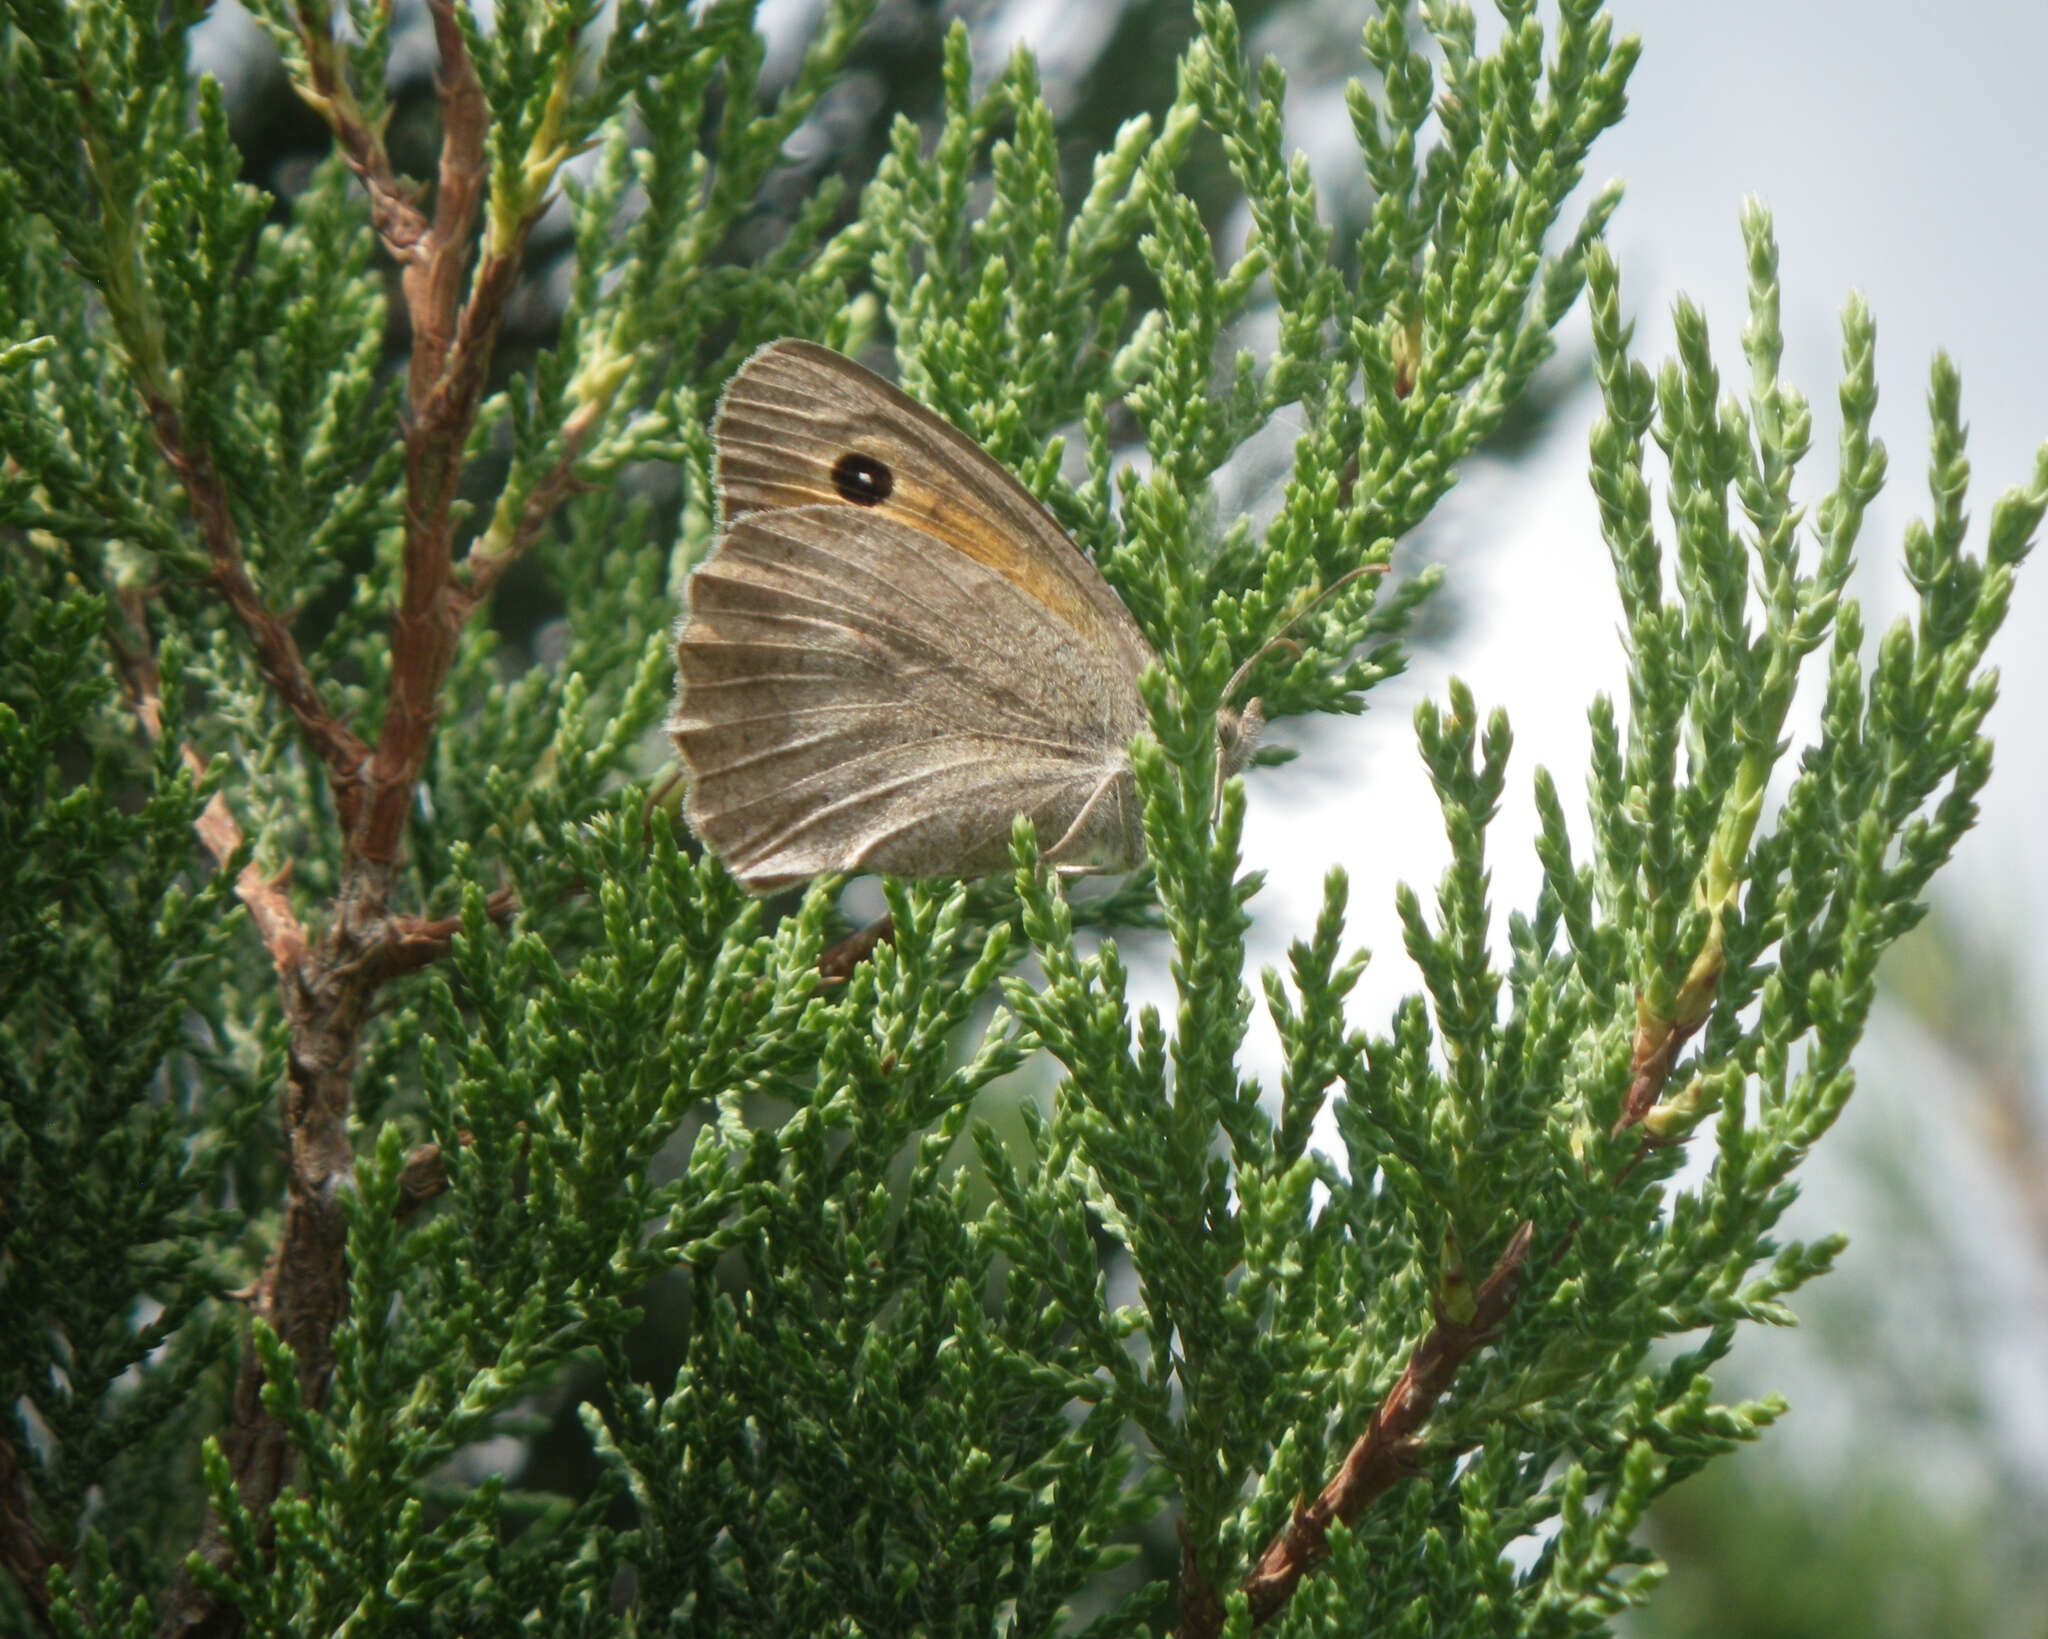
(1280, 639)
(659, 794)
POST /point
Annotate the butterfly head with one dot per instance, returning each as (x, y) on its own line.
(1237, 731)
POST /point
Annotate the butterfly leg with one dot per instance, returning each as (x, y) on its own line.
(1081, 819)
(837, 962)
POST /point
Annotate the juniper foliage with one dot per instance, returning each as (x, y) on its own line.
(349, 981)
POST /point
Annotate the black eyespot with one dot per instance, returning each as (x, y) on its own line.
(862, 479)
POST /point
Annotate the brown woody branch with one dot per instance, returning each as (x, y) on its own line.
(415, 942)
(302, 1293)
(837, 961)
(423, 1177)
(339, 749)
(1387, 1452)
(1384, 1455)
(452, 339)
(393, 212)
(303, 1290)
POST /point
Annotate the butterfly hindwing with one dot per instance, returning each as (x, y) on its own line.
(857, 695)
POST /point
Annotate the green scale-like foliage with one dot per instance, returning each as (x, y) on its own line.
(133, 1068)
(924, 1371)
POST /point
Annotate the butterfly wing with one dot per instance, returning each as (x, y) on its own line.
(858, 695)
(801, 425)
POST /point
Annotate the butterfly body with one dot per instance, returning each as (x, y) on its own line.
(893, 649)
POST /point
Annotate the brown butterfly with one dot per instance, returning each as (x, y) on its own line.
(894, 650)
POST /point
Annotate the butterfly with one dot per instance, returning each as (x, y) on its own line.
(893, 650)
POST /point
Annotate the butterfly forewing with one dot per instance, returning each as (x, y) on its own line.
(800, 425)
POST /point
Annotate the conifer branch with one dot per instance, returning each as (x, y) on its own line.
(1385, 1454)
(302, 1294)
(263, 897)
(1201, 1613)
(451, 346)
(453, 336)
(921, 1411)
(339, 749)
(394, 214)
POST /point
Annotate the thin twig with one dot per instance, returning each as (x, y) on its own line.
(486, 562)
(339, 749)
(418, 941)
(1386, 1453)
(393, 211)
(1652, 1053)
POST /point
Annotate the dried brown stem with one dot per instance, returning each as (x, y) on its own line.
(393, 212)
(1385, 1454)
(263, 897)
(415, 942)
